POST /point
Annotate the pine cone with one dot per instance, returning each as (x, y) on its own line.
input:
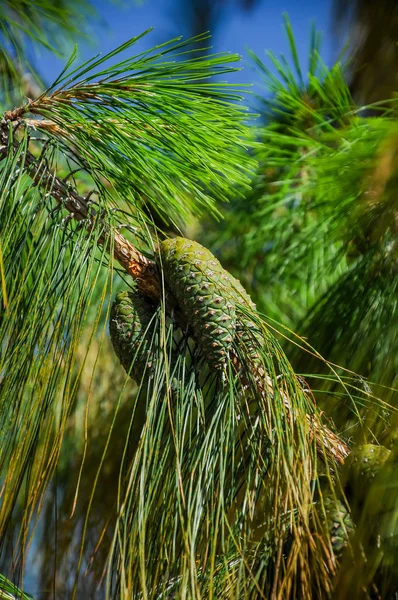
(207, 296)
(339, 524)
(363, 464)
(131, 327)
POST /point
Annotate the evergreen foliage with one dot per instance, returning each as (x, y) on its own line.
(321, 260)
(192, 481)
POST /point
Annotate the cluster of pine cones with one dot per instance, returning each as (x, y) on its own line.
(205, 298)
(215, 310)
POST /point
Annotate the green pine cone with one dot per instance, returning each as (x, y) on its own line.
(131, 327)
(207, 296)
(339, 524)
(364, 462)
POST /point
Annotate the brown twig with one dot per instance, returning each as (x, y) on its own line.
(142, 269)
(328, 444)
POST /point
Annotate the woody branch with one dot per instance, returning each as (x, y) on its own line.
(142, 269)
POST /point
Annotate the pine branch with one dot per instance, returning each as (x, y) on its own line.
(162, 134)
(134, 262)
(144, 272)
(159, 134)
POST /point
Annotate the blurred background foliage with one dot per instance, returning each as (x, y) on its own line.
(28, 26)
(314, 241)
(372, 28)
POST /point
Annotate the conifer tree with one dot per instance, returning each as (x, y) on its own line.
(202, 467)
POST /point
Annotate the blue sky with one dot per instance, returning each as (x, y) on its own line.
(258, 29)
